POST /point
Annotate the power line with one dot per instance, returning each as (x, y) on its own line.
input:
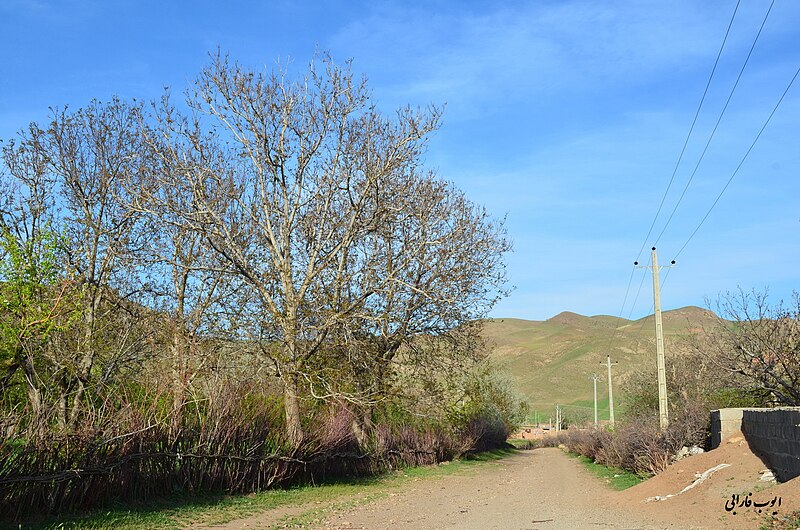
(627, 291)
(716, 125)
(677, 164)
(736, 171)
(638, 292)
(691, 129)
(666, 277)
(576, 406)
(644, 276)
(769, 118)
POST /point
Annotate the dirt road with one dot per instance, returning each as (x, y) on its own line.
(540, 489)
(546, 489)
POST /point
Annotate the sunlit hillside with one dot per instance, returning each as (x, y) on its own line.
(552, 361)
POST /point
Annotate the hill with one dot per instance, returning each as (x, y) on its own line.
(552, 361)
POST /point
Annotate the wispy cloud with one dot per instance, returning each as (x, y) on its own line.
(529, 49)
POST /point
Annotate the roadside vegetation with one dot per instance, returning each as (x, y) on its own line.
(749, 359)
(259, 286)
(618, 478)
(789, 521)
(303, 503)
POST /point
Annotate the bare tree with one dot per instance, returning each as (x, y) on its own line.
(35, 290)
(760, 342)
(75, 171)
(310, 196)
(93, 152)
(196, 287)
(440, 257)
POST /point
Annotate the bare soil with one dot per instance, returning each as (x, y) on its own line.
(546, 489)
(539, 489)
(707, 504)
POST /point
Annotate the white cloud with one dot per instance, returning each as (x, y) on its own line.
(528, 49)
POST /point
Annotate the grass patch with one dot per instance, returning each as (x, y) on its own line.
(313, 502)
(588, 405)
(487, 456)
(525, 444)
(384, 484)
(789, 521)
(616, 477)
(180, 510)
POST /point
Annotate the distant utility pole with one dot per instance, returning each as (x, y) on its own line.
(662, 377)
(594, 379)
(558, 417)
(608, 363)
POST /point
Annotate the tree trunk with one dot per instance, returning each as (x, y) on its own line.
(84, 368)
(178, 378)
(291, 400)
(35, 400)
(63, 405)
(362, 426)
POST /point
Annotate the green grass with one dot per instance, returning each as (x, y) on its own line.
(617, 478)
(180, 510)
(789, 521)
(519, 443)
(385, 484)
(571, 355)
(312, 501)
(587, 406)
(551, 362)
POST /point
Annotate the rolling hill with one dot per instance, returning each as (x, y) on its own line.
(552, 361)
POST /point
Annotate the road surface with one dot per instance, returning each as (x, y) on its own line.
(539, 489)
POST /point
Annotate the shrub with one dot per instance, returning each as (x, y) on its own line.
(637, 444)
(227, 446)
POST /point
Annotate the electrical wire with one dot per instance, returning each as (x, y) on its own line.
(769, 118)
(716, 125)
(638, 291)
(691, 129)
(678, 163)
(666, 277)
(708, 142)
(627, 291)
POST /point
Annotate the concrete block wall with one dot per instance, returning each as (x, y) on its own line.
(774, 434)
(724, 423)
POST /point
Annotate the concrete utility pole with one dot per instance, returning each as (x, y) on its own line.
(662, 377)
(558, 417)
(608, 363)
(594, 379)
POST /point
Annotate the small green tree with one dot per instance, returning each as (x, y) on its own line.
(75, 174)
(34, 304)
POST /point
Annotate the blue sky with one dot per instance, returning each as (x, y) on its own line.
(567, 117)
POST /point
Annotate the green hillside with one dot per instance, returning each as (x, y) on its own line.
(552, 361)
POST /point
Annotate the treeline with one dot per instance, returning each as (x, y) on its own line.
(188, 290)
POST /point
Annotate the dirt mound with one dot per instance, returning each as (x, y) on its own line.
(710, 486)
